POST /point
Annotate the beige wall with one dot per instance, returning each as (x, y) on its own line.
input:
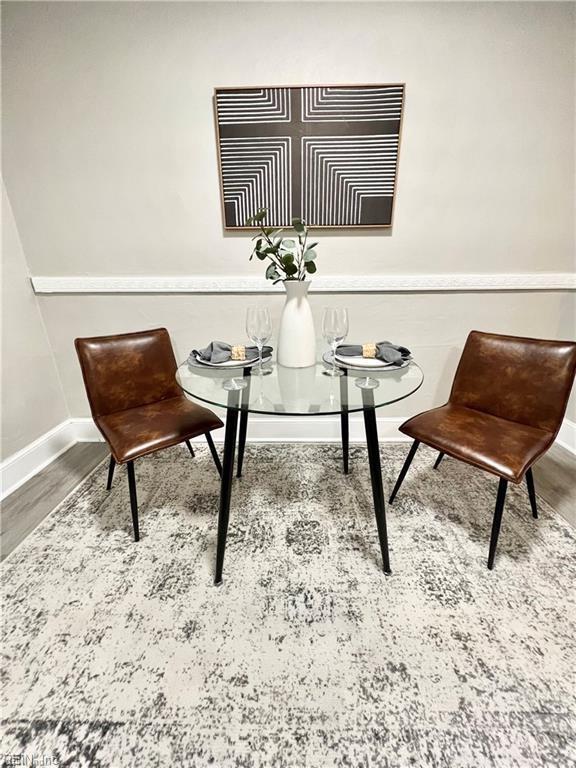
(32, 397)
(568, 331)
(110, 156)
(110, 159)
(434, 326)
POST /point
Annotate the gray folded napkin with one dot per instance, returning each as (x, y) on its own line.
(385, 351)
(220, 352)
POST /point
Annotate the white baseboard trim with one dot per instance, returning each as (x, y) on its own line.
(567, 436)
(460, 282)
(23, 465)
(86, 431)
(285, 429)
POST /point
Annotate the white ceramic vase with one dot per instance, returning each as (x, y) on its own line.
(296, 337)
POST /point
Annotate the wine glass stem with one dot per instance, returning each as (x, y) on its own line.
(260, 359)
(334, 347)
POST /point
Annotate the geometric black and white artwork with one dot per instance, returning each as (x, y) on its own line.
(325, 154)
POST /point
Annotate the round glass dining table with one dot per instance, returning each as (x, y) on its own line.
(297, 392)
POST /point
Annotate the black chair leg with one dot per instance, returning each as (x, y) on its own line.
(404, 469)
(133, 499)
(532, 493)
(438, 460)
(190, 448)
(111, 467)
(502, 486)
(214, 452)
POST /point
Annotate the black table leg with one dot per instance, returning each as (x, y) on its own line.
(243, 422)
(344, 427)
(376, 473)
(227, 476)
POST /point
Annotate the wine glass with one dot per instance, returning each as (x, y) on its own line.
(335, 330)
(259, 330)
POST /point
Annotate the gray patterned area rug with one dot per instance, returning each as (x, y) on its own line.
(122, 654)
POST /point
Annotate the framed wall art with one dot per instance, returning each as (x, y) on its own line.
(326, 154)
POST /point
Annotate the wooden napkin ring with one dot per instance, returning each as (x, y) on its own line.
(368, 350)
(238, 352)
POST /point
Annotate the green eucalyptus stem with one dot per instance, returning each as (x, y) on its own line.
(287, 258)
(301, 267)
(274, 260)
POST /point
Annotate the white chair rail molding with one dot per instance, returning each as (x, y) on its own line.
(536, 281)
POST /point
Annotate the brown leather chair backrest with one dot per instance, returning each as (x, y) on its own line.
(127, 370)
(523, 380)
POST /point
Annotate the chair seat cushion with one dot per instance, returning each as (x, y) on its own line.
(503, 447)
(147, 428)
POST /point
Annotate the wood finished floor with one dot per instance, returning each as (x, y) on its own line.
(555, 481)
(23, 510)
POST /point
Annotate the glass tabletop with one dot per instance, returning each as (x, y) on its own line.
(298, 391)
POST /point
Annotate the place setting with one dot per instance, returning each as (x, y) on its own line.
(223, 356)
(370, 357)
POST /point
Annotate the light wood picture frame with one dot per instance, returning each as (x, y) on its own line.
(325, 153)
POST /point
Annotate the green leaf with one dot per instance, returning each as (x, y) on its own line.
(299, 226)
(288, 244)
(290, 269)
(310, 267)
(272, 272)
(311, 246)
(309, 256)
(261, 255)
(268, 231)
(260, 215)
(287, 258)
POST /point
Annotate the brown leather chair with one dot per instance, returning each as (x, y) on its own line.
(136, 403)
(506, 406)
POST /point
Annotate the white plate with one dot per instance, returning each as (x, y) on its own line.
(351, 362)
(233, 363)
(357, 361)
